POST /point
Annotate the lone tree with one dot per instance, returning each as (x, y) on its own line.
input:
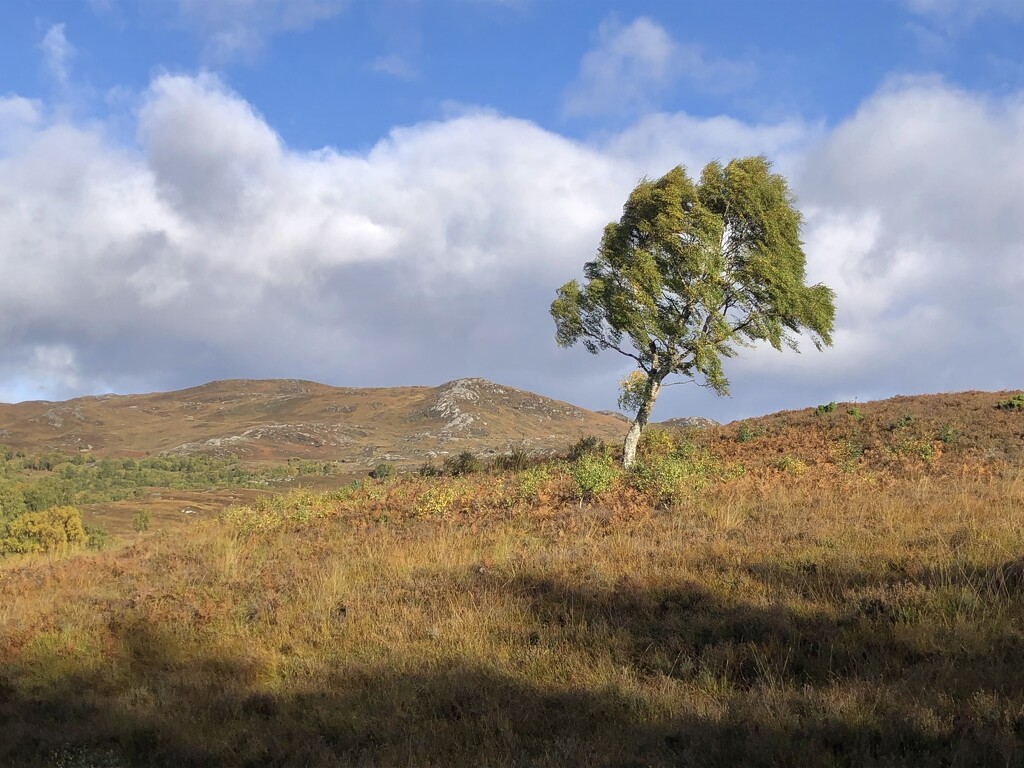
(689, 273)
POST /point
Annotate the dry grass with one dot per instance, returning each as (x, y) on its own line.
(808, 618)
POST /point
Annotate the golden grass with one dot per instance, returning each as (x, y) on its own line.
(776, 618)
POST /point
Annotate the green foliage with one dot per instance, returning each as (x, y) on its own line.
(902, 422)
(855, 413)
(437, 499)
(692, 271)
(656, 443)
(586, 446)
(428, 469)
(593, 474)
(515, 460)
(96, 537)
(529, 484)
(821, 410)
(38, 532)
(949, 434)
(140, 523)
(466, 463)
(791, 465)
(746, 432)
(1015, 403)
(382, 471)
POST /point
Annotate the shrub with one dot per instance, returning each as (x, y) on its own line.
(96, 538)
(382, 471)
(821, 410)
(1015, 403)
(791, 465)
(437, 500)
(586, 446)
(529, 484)
(664, 478)
(746, 433)
(593, 475)
(656, 442)
(427, 469)
(140, 523)
(466, 463)
(855, 413)
(515, 460)
(47, 531)
(949, 434)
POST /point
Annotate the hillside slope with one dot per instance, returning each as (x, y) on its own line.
(272, 420)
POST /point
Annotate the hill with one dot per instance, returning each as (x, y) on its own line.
(273, 420)
(840, 585)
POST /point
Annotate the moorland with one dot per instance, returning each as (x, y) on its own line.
(839, 585)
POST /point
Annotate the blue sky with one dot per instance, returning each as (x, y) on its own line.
(390, 192)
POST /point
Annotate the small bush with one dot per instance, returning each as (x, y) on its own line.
(902, 422)
(1015, 403)
(656, 442)
(821, 410)
(746, 433)
(47, 531)
(96, 538)
(663, 478)
(382, 471)
(428, 469)
(593, 475)
(140, 523)
(586, 446)
(855, 413)
(530, 483)
(791, 465)
(949, 434)
(515, 460)
(466, 463)
(437, 500)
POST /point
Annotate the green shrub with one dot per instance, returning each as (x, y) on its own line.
(437, 500)
(746, 433)
(529, 483)
(515, 460)
(428, 469)
(949, 434)
(586, 446)
(855, 413)
(47, 531)
(665, 479)
(656, 442)
(140, 523)
(466, 463)
(821, 410)
(593, 475)
(791, 465)
(382, 471)
(96, 538)
(1015, 403)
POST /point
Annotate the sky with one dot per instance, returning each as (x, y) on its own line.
(389, 193)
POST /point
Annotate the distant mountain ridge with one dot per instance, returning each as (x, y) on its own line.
(275, 419)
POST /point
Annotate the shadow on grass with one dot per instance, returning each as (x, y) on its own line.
(763, 687)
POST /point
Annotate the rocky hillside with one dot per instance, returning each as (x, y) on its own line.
(273, 420)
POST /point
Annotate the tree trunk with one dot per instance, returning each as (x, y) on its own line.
(636, 429)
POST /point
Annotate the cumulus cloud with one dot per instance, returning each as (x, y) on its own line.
(57, 53)
(239, 28)
(632, 65)
(208, 248)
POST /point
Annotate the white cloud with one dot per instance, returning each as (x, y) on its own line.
(632, 65)
(239, 28)
(396, 65)
(57, 53)
(210, 249)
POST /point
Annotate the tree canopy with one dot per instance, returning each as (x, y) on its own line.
(690, 273)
